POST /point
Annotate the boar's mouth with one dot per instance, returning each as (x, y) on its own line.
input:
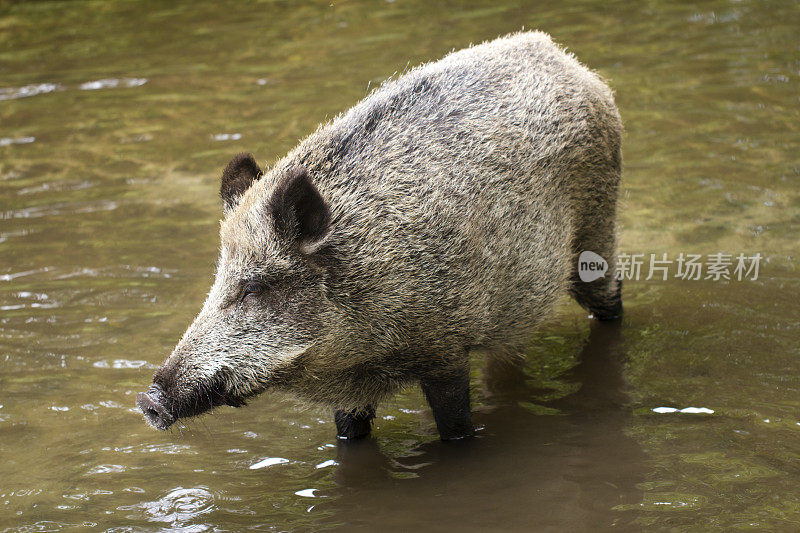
(161, 409)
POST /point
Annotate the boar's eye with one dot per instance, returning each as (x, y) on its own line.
(252, 288)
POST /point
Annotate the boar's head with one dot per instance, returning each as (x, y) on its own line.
(267, 306)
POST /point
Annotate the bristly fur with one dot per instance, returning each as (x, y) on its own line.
(444, 212)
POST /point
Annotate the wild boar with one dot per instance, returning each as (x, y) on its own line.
(443, 213)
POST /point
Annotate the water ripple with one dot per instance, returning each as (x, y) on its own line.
(178, 507)
(122, 364)
(8, 141)
(50, 525)
(106, 469)
(227, 136)
(54, 186)
(14, 275)
(58, 209)
(12, 93)
(168, 449)
(112, 83)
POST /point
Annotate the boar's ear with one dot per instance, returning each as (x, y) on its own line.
(237, 177)
(300, 212)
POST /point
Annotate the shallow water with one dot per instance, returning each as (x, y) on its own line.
(115, 121)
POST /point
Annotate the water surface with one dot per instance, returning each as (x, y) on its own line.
(115, 121)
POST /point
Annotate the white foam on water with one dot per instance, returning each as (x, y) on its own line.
(269, 461)
(13, 93)
(326, 464)
(112, 83)
(8, 141)
(685, 410)
(698, 410)
(227, 136)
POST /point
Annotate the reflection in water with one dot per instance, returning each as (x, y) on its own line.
(568, 471)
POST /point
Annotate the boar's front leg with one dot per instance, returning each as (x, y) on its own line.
(448, 397)
(354, 424)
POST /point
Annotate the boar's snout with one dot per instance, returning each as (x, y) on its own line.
(152, 405)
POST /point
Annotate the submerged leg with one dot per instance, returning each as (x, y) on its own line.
(602, 297)
(354, 424)
(449, 399)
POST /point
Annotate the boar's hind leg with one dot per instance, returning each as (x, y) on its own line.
(596, 233)
(602, 297)
(449, 401)
(355, 424)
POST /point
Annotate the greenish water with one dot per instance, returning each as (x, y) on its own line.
(108, 236)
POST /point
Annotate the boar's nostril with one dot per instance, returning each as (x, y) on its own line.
(154, 411)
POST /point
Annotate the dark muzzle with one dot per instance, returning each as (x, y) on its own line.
(152, 405)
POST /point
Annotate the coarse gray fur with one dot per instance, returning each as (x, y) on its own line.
(459, 196)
